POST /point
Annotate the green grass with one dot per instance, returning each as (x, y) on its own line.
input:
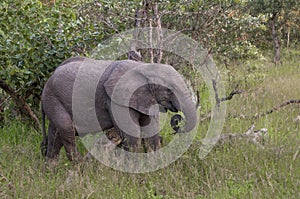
(234, 170)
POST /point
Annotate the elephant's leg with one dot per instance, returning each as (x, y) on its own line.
(128, 128)
(114, 136)
(68, 139)
(153, 143)
(54, 142)
(66, 131)
(150, 129)
(132, 143)
(129, 142)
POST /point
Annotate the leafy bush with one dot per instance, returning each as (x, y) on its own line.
(35, 38)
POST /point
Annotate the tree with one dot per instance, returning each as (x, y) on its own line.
(278, 13)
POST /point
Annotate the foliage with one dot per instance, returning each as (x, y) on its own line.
(35, 38)
(220, 26)
(285, 15)
(111, 16)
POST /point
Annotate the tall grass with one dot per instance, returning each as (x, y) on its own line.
(237, 169)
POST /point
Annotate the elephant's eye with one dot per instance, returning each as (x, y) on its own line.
(170, 91)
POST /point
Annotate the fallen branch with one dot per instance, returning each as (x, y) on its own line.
(256, 137)
(276, 108)
(21, 103)
(229, 97)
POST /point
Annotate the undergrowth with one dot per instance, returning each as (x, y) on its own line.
(236, 169)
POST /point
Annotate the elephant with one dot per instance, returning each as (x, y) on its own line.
(130, 105)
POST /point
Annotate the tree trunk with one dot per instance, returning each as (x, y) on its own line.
(159, 33)
(275, 41)
(1, 110)
(288, 38)
(21, 104)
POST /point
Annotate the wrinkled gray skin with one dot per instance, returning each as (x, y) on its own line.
(57, 104)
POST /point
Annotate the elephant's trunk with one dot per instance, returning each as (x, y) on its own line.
(189, 110)
(190, 113)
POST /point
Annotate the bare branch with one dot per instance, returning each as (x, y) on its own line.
(173, 36)
(276, 108)
(21, 103)
(229, 97)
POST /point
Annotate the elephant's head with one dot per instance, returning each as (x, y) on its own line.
(150, 88)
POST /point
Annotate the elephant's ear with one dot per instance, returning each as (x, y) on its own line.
(130, 89)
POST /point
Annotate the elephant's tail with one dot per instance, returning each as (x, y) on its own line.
(44, 143)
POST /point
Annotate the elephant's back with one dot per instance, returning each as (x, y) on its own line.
(74, 77)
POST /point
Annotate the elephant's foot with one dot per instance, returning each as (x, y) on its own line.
(114, 140)
(132, 144)
(75, 157)
(153, 143)
(114, 136)
(72, 153)
(52, 162)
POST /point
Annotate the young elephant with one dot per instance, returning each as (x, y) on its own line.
(85, 95)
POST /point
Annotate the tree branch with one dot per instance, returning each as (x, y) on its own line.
(21, 103)
(229, 97)
(276, 108)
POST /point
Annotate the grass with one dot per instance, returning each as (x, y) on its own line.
(234, 170)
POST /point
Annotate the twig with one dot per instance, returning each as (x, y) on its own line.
(198, 99)
(276, 108)
(279, 107)
(5, 101)
(174, 36)
(150, 40)
(229, 97)
(21, 103)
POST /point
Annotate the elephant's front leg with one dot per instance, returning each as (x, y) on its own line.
(126, 122)
(132, 144)
(150, 131)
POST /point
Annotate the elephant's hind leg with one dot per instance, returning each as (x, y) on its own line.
(67, 134)
(54, 142)
(66, 131)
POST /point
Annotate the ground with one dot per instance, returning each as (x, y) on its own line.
(236, 169)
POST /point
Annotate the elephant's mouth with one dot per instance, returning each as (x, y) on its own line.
(172, 107)
(164, 106)
(162, 109)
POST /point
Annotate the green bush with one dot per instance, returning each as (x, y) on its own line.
(35, 38)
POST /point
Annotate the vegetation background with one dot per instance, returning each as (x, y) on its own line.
(255, 45)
